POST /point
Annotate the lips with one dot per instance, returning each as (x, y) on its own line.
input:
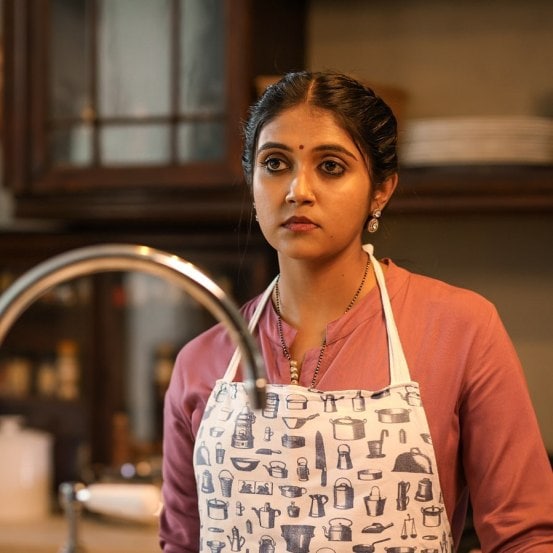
(299, 224)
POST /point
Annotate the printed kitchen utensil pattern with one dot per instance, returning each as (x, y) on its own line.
(343, 464)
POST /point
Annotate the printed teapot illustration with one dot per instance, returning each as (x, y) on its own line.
(411, 395)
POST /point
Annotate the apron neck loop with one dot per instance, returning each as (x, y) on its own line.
(399, 371)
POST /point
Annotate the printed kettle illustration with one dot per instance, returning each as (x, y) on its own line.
(411, 396)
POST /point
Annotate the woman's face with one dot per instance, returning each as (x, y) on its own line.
(311, 185)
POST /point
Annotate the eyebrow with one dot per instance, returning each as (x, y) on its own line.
(321, 148)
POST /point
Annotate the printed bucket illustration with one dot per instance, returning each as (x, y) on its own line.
(374, 503)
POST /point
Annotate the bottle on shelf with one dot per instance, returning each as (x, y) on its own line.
(68, 370)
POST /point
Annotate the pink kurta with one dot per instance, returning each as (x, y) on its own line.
(482, 423)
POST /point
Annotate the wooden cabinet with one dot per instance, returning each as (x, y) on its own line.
(131, 110)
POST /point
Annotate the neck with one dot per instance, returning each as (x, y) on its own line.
(315, 294)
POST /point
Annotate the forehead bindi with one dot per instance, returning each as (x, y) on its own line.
(301, 146)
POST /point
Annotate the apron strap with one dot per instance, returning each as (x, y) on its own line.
(399, 370)
(235, 359)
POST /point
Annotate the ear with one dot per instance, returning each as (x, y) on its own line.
(384, 192)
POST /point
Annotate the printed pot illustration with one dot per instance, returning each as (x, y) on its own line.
(346, 428)
(292, 491)
(431, 516)
(217, 509)
(393, 415)
(339, 529)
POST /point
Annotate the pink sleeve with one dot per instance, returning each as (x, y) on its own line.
(506, 466)
(199, 364)
(179, 523)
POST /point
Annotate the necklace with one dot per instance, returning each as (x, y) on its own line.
(294, 369)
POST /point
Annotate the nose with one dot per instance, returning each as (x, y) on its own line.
(300, 190)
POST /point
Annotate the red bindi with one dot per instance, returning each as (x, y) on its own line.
(301, 146)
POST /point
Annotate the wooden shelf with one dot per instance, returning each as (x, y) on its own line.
(474, 188)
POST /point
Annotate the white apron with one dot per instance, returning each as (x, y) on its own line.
(322, 472)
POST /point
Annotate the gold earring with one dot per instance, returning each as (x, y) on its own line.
(374, 223)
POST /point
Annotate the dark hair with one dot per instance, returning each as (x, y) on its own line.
(365, 116)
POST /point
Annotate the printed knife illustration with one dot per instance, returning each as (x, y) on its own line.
(320, 458)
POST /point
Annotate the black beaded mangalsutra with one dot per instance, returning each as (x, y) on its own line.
(294, 369)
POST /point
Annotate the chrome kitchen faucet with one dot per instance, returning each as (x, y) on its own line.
(127, 257)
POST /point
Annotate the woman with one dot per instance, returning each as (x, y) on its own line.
(393, 395)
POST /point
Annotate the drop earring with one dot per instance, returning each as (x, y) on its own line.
(255, 213)
(373, 222)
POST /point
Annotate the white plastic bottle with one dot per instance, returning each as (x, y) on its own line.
(25, 471)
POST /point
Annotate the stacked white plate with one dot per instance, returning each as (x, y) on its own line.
(477, 140)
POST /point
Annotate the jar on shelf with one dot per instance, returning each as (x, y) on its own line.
(68, 370)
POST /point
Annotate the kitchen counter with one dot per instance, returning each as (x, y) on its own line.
(97, 535)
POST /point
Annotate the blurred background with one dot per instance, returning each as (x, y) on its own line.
(120, 122)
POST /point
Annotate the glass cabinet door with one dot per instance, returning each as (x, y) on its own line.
(136, 82)
(136, 100)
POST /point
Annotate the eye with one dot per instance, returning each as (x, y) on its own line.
(332, 167)
(274, 164)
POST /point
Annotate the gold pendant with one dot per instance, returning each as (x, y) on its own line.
(294, 372)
